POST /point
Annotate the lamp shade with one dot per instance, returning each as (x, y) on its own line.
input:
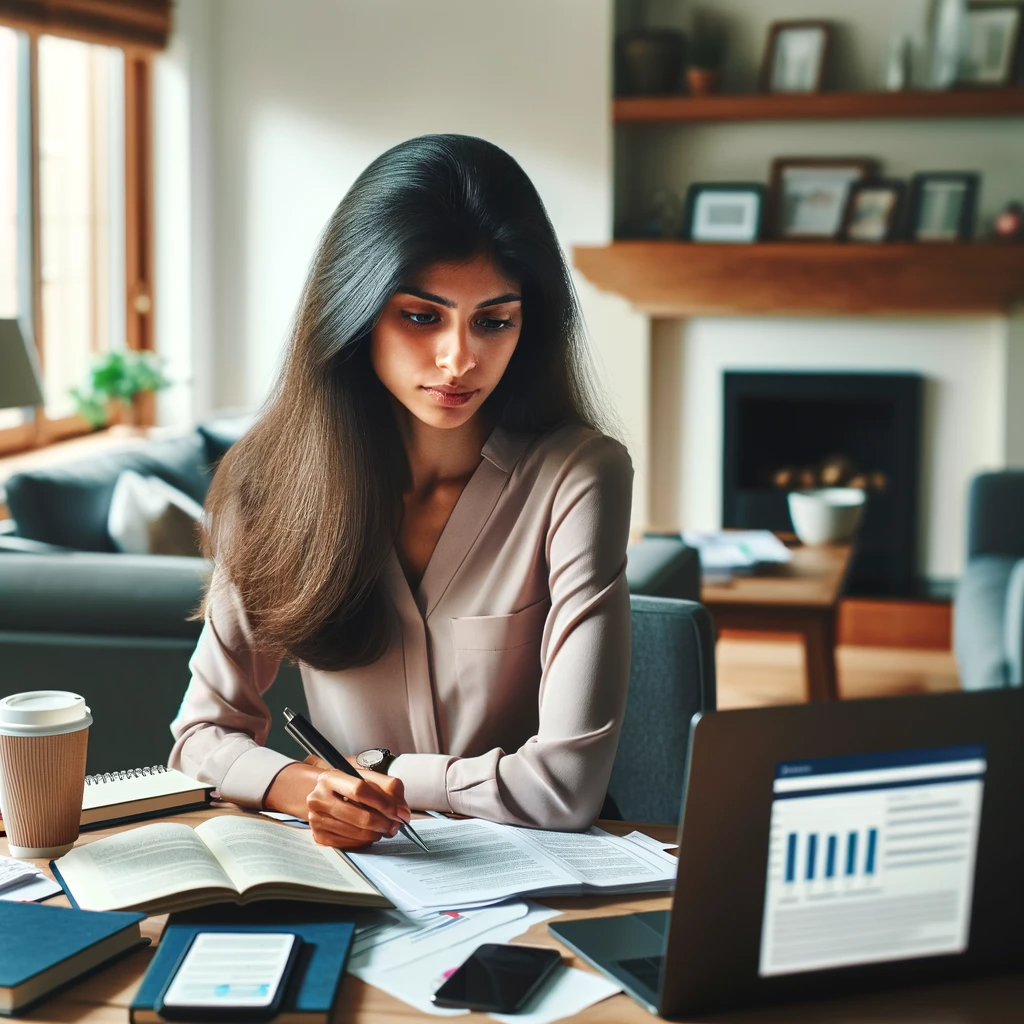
(19, 376)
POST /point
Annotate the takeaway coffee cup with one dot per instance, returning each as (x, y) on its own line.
(44, 735)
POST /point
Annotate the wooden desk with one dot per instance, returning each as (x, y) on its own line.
(104, 997)
(801, 597)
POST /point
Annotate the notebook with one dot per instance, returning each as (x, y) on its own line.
(313, 988)
(119, 797)
(229, 858)
(43, 949)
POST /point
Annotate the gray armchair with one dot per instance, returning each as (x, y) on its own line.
(988, 623)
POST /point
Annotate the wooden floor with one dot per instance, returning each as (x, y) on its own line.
(758, 672)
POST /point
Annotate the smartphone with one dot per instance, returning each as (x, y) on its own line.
(498, 979)
(230, 976)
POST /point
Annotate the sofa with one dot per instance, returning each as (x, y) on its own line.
(76, 614)
(988, 611)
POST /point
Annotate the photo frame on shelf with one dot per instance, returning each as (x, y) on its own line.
(796, 56)
(731, 212)
(943, 206)
(874, 211)
(809, 195)
(992, 45)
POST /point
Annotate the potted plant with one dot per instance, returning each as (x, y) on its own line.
(707, 50)
(114, 381)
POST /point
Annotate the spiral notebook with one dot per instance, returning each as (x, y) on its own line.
(118, 797)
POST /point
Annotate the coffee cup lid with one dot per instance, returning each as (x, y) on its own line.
(43, 713)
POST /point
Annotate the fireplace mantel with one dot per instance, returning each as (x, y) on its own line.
(683, 279)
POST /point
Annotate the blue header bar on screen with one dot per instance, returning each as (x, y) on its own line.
(892, 769)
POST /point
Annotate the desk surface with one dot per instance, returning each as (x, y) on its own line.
(104, 997)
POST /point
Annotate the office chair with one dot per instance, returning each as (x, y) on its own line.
(671, 676)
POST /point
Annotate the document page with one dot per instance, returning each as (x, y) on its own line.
(139, 866)
(470, 863)
(255, 852)
(871, 858)
(603, 861)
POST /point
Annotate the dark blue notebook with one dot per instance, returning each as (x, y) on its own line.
(314, 983)
(46, 948)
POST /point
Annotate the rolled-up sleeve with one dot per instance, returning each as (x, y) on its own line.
(223, 721)
(559, 777)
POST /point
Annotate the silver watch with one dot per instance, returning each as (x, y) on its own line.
(376, 759)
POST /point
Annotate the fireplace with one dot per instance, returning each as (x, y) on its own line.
(786, 431)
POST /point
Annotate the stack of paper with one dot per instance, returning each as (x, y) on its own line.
(24, 883)
(735, 550)
(473, 863)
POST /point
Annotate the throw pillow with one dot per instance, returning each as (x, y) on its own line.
(150, 517)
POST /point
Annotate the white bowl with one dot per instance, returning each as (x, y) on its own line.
(829, 515)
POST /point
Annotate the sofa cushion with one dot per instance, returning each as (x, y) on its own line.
(150, 517)
(219, 435)
(69, 504)
(979, 619)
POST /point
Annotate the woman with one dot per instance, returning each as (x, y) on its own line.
(427, 520)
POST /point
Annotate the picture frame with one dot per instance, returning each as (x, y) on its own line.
(943, 206)
(874, 211)
(994, 36)
(809, 195)
(725, 212)
(796, 56)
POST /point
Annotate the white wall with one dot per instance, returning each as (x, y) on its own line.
(306, 93)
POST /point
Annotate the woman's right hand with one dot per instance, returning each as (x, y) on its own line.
(345, 812)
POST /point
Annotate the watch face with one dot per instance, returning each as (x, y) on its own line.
(370, 758)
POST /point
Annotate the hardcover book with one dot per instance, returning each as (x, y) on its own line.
(43, 949)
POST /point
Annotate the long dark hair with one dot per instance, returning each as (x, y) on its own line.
(305, 508)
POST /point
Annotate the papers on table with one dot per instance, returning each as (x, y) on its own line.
(474, 863)
(728, 551)
(410, 957)
(649, 843)
(24, 883)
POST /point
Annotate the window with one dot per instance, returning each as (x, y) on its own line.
(74, 211)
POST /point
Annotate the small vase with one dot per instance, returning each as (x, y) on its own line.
(702, 81)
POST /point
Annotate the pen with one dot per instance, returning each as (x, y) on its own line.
(314, 742)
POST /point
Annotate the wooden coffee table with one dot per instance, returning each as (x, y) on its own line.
(801, 597)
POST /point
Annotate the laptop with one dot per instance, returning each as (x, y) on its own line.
(826, 849)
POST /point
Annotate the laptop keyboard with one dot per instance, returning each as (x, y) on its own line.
(646, 969)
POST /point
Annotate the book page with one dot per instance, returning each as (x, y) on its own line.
(258, 852)
(470, 862)
(602, 860)
(139, 866)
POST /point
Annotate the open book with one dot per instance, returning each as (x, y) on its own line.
(473, 862)
(167, 866)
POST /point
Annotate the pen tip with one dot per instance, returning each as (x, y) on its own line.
(289, 714)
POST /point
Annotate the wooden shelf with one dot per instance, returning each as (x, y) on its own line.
(821, 106)
(667, 278)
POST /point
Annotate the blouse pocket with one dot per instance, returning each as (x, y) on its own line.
(497, 661)
(501, 632)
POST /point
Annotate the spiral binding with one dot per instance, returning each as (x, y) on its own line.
(131, 773)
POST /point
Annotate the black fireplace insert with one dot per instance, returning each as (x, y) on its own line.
(792, 431)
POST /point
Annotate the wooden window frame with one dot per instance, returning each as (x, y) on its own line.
(41, 430)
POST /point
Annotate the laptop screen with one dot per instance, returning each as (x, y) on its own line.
(871, 858)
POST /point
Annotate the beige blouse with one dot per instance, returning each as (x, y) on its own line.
(504, 688)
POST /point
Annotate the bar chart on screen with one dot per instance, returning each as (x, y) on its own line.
(871, 858)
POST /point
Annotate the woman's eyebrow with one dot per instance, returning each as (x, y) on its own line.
(507, 297)
(408, 289)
